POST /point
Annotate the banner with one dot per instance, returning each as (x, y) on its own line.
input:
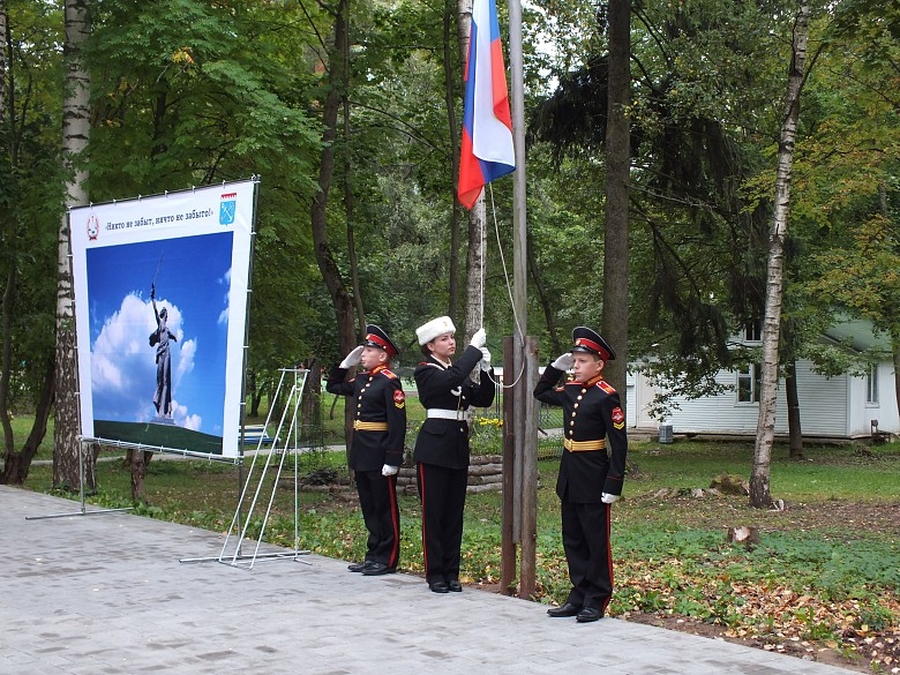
(161, 308)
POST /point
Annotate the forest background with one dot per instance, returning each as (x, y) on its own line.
(350, 116)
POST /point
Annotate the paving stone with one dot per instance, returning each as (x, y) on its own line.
(109, 593)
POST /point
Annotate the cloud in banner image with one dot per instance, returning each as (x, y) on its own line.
(226, 281)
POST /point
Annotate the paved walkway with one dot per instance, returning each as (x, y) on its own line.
(108, 594)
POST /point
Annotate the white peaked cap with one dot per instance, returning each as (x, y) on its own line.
(429, 331)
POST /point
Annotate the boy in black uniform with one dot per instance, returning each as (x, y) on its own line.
(376, 449)
(442, 447)
(591, 469)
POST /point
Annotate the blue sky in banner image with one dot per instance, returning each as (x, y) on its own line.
(193, 282)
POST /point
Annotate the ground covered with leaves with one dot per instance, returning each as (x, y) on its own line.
(759, 594)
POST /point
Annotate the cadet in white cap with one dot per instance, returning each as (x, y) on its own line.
(591, 469)
(442, 447)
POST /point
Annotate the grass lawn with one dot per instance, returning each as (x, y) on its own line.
(823, 582)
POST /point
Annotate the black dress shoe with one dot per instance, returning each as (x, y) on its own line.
(357, 567)
(439, 587)
(588, 614)
(454, 586)
(374, 569)
(567, 609)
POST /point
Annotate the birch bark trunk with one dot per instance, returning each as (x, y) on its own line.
(760, 496)
(76, 131)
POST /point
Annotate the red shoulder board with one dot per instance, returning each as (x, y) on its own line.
(387, 373)
(604, 385)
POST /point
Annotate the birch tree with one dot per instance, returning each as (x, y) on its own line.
(475, 259)
(760, 496)
(76, 130)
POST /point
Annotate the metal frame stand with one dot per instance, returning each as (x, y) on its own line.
(284, 442)
(83, 511)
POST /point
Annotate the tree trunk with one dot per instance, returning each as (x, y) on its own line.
(795, 431)
(9, 292)
(76, 129)
(475, 269)
(6, 311)
(475, 258)
(350, 203)
(618, 155)
(331, 274)
(545, 301)
(311, 410)
(138, 471)
(450, 71)
(765, 428)
(17, 465)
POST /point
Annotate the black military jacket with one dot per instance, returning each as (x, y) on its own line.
(591, 411)
(445, 442)
(378, 395)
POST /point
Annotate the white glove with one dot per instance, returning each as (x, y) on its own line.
(485, 358)
(563, 361)
(607, 498)
(479, 339)
(388, 470)
(352, 358)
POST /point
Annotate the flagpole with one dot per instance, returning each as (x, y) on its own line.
(524, 350)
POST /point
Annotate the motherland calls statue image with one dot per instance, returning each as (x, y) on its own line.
(160, 338)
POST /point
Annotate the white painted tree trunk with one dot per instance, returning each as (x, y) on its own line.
(76, 130)
(475, 258)
(760, 496)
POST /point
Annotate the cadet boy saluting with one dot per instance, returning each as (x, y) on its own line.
(376, 449)
(591, 469)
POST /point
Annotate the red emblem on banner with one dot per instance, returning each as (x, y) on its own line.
(93, 228)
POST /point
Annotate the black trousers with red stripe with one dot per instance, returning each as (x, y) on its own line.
(442, 492)
(585, 532)
(378, 501)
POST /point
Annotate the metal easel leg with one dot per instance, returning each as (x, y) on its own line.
(83, 511)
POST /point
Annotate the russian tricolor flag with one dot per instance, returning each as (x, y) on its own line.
(487, 142)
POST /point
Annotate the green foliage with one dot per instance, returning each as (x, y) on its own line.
(30, 205)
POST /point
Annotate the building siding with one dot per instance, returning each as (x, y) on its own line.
(829, 406)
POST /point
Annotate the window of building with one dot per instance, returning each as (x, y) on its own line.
(753, 332)
(748, 384)
(872, 385)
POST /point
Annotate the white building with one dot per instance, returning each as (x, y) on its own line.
(841, 407)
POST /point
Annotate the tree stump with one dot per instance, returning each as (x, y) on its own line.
(743, 534)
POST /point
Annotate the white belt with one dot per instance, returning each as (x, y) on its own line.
(445, 414)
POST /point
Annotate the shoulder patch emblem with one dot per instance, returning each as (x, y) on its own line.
(618, 417)
(399, 399)
(604, 385)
